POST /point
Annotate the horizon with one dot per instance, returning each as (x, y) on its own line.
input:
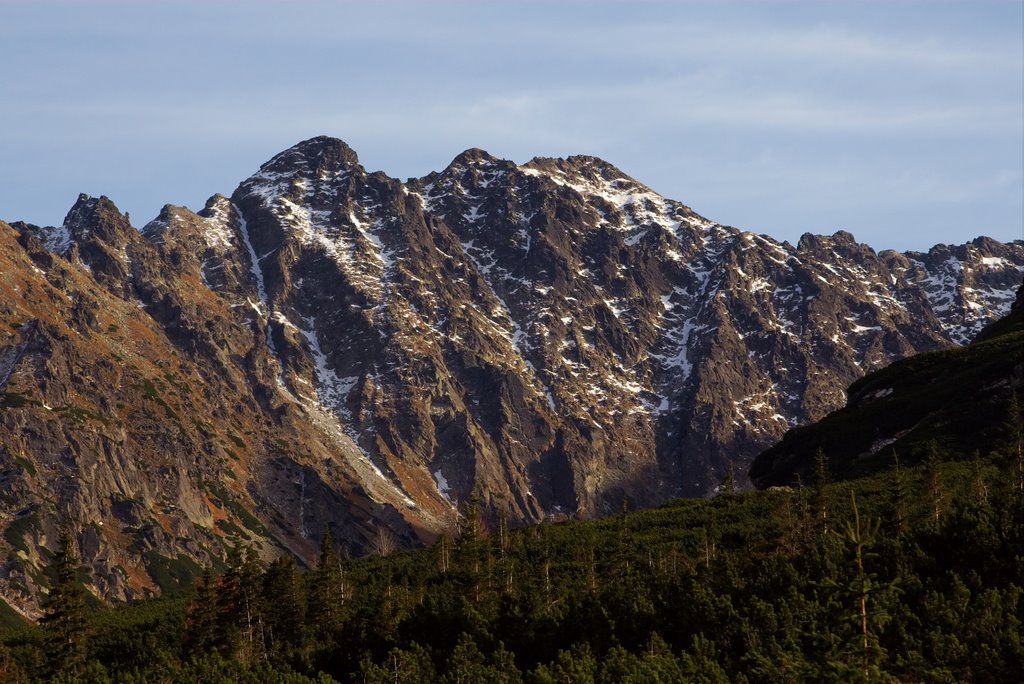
(899, 123)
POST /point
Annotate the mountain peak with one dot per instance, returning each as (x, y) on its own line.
(315, 155)
(322, 143)
(97, 216)
(318, 160)
(472, 157)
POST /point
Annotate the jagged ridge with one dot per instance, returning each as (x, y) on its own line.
(554, 335)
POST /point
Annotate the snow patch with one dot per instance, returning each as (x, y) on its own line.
(442, 486)
(263, 308)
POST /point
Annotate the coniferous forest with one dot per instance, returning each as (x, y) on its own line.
(913, 574)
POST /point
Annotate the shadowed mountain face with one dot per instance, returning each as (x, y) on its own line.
(335, 348)
(958, 400)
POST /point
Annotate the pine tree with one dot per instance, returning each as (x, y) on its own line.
(10, 670)
(820, 501)
(65, 609)
(444, 550)
(466, 664)
(412, 665)
(702, 661)
(502, 533)
(710, 535)
(805, 517)
(934, 487)
(1013, 429)
(979, 488)
(788, 524)
(575, 665)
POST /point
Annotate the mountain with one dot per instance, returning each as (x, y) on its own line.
(953, 400)
(330, 348)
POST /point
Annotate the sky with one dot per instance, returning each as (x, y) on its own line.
(900, 121)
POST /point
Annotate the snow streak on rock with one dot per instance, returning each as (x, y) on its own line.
(640, 335)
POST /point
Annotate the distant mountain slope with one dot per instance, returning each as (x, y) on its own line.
(335, 348)
(958, 397)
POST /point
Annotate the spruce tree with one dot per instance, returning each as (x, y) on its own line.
(470, 556)
(326, 591)
(863, 590)
(239, 605)
(471, 525)
(253, 607)
(728, 484)
(64, 610)
(899, 495)
(201, 629)
(283, 599)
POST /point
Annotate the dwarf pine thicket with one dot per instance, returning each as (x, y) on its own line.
(912, 574)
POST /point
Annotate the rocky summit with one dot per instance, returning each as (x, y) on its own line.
(330, 348)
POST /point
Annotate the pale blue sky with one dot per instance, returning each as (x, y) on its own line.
(898, 121)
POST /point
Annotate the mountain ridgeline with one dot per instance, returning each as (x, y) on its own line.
(330, 348)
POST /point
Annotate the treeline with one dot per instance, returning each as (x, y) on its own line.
(914, 574)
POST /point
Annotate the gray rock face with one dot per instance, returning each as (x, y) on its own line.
(957, 400)
(361, 352)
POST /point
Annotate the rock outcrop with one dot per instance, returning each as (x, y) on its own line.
(957, 401)
(333, 348)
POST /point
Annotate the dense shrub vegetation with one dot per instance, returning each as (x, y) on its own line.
(907, 575)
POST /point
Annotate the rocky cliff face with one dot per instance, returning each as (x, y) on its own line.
(957, 401)
(332, 347)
